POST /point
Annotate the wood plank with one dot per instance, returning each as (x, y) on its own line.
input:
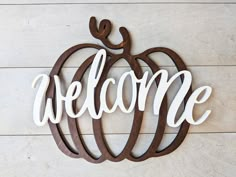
(199, 155)
(111, 2)
(17, 98)
(35, 36)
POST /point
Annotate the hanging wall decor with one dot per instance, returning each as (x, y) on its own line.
(50, 101)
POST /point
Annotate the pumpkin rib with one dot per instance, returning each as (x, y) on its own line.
(57, 133)
(137, 120)
(74, 124)
(161, 123)
(180, 65)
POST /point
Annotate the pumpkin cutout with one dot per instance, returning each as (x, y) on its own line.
(102, 33)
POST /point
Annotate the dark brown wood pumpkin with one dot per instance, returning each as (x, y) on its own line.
(81, 151)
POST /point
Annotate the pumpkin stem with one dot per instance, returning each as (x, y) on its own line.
(104, 31)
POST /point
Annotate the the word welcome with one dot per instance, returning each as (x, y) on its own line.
(75, 88)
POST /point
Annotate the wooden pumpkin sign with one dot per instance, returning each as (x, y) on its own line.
(96, 96)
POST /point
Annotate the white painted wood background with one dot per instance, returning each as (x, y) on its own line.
(33, 33)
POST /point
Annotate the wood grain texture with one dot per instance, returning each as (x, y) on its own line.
(37, 2)
(201, 34)
(18, 81)
(199, 155)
